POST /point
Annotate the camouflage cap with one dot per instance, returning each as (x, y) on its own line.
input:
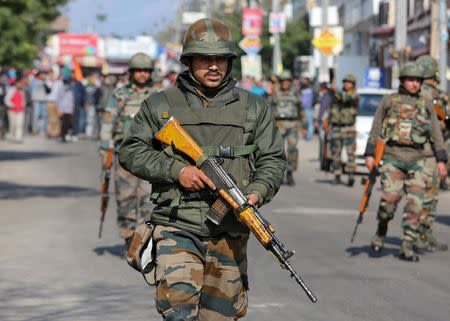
(140, 61)
(350, 78)
(285, 75)
(410, 69)
(208, 37)
(428, 65)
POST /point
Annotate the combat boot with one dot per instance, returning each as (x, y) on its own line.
(443, 185)
(377, 243)
(290, 179)
(337, 180)
(431, 240)
(351, 180)
(407, 252)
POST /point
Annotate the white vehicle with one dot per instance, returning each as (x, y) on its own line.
(369, 99)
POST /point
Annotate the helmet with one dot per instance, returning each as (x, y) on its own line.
(285, 75)
(140, 61)
(207, 37)
(411, 69)
(350, 78)
(428, 65)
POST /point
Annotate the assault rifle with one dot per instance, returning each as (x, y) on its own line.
(230, 197)
(370, 182)
(105, 186)
(441, 115)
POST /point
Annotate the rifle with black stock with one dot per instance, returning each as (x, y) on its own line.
(105, 186)
(379, 151)
(230, 197)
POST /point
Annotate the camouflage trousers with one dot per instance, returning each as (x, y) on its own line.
(341, 137)
(289, 131)
(431, 193)
(133, 200)
(200, 279)
(398, 178)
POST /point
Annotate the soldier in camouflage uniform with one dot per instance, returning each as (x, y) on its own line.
(201, 268)
(430, 91)
(289, 114)
(407, 122)
(132, 193)
(342, 117)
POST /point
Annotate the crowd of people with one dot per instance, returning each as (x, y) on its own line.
(41, 102)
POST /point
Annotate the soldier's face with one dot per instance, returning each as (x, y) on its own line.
(285, 84)
(412, 84)
(209, 70)
(348, 85)
(141, 76)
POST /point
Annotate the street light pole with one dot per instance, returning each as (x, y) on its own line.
(324, 73)
(401, 17)
(276, 57)
(443, 38)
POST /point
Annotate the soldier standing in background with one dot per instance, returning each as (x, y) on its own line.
(408, 122)
(132, 193)
(289, 114)
(429, 90)
(342, 117)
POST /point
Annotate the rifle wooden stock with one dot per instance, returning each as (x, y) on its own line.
(439, 112)
(173, 134)
(104, 187)
(326, 127)
(379, 151)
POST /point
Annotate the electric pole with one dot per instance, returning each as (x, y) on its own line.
(324, 74)
(277, 64)
(401, 52)
(443, 38)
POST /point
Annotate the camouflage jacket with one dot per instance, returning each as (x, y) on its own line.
(407, 153)
(287, 105)
(123, 104)
(225, 121)
(344, 108)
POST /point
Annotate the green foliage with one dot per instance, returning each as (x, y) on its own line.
(296, 41)
(24, 28)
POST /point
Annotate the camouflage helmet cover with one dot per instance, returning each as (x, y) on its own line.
(208, 37)
(350, 78)
(140, 61)
(285, 75)
(410, 69)
(428, 65)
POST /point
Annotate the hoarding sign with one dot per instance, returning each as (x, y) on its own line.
(251, 45)
(277, 22)
(77, 44)
(252, 21)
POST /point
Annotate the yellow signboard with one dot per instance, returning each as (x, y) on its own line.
(325, 42)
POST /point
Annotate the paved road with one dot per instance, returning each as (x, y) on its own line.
(54, 267)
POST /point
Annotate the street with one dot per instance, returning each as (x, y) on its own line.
(54, 267)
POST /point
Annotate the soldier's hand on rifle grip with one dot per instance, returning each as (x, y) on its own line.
(193, 179)
(104, 158)
(253, 199)
(441, 170)
(370, 162)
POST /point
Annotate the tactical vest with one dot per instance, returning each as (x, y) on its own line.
(405, 124)
(129, 103)
(225, 132)
(344, 109)
(286, 106)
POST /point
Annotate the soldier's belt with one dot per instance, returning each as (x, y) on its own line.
(287, 118)
(396, 144)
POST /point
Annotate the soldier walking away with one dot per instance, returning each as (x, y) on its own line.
(408, 122)
(342, 118)
(132, 193)
(429, 90)
(289, 115)
(201, 268)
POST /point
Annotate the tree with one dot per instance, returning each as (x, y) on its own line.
(24, 28)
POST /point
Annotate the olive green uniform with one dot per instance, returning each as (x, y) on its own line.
(132, 193)
(191, 251)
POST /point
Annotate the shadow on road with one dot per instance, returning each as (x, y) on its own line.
(115, 250)
(10, 191)
(354, 251)
(8, 155)
(443, 219)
